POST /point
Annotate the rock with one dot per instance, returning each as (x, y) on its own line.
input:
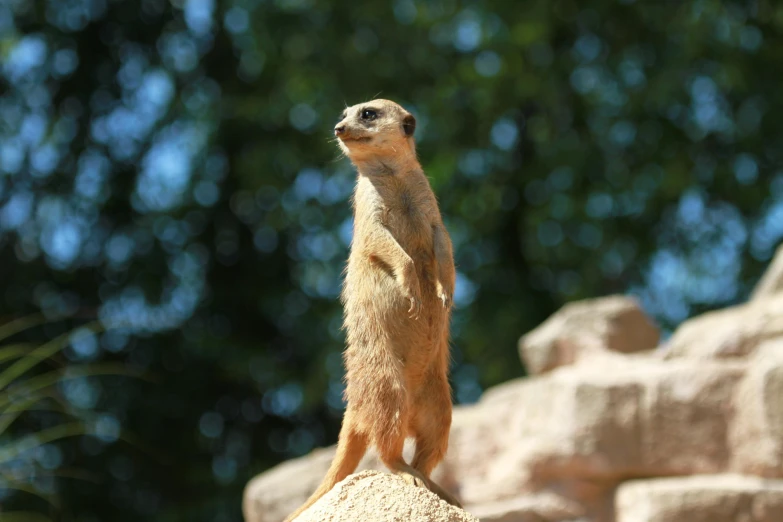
(576, 432)
(579, 431)
(274, 494)
(757, 431)
(585, 328)
(729, 333)
(544, 507)
(371, 496)
(602, 409)
(278, 492)
(644, 417)
(718, 498)
(772, 281)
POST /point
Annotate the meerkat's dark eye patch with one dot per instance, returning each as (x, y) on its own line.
(409, 125)
(369, 114)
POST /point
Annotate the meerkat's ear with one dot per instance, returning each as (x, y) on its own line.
(409, 124)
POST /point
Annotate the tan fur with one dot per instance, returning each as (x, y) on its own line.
(397, 296)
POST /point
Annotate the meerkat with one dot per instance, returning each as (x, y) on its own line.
(397, 297)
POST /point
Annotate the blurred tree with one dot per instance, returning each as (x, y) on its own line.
(167, 166)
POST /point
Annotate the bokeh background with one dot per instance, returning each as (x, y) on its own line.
(166, 167)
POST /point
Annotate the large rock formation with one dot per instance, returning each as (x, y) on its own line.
(772, 282)
(733, 332)
(588, 329)
(609, 429)
(710, 498)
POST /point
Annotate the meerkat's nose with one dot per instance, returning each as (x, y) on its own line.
(340, 129)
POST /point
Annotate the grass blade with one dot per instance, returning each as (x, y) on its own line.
(25, 516)
(41, 353)
(45, 380)
(27, 488)
(20, 325)
(35, 440)
(14, 351)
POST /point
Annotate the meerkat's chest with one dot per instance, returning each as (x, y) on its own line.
(403, 210)
(400, 209)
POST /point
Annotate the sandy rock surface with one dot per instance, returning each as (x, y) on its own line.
(371, 496)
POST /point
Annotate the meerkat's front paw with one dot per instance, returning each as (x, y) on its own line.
(415, 308)
(444, 296)
(414, 298)
(411, 291)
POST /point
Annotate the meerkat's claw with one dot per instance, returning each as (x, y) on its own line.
(414, 480)
(444, 296)
(415, 308)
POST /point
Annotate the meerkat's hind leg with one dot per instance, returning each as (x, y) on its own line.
(391, 429)
(351, 446)
(432, 423)
(431, 426)
(410, 475)
(415, 478)
(391, 455)
(388, 406)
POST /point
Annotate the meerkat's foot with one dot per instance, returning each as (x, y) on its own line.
(414, 479)
(418, 480)
(443, 494)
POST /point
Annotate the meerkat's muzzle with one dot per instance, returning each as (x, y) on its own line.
(344, 133)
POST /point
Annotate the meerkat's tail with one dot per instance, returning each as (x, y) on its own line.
(351, 447)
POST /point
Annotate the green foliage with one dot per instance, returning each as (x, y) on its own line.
(21, 396)
(167, 166)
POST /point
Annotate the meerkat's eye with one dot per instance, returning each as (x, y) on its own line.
(369, 114)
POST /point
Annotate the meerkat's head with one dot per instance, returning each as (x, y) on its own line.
(379, 128)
